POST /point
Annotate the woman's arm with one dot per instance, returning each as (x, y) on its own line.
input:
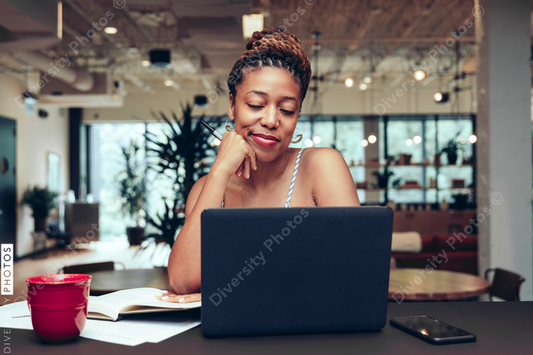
(332, 182)
(234, 156)
(184, 260)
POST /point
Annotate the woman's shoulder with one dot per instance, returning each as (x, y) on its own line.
(322, 162)
(321, 156)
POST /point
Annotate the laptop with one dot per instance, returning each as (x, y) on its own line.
(295, 270)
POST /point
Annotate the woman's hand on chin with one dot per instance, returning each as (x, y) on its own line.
(235, 156)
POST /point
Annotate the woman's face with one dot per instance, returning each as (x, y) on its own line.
(265, 111)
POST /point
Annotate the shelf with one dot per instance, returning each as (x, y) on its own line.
(420, 165)
(418, 188)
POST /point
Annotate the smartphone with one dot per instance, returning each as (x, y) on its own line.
(432, 330)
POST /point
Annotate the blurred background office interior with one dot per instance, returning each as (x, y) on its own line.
(428, 101)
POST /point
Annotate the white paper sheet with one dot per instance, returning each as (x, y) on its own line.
(134, 330)
(15, 315)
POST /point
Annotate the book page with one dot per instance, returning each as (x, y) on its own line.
(135, 300)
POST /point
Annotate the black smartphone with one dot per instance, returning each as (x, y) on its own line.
(432, 330)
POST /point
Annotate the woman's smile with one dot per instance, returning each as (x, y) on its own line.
(265, 139)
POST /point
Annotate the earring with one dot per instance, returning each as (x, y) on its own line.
(297, 138)
(228, 127)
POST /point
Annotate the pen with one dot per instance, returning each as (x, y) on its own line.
(211, 129)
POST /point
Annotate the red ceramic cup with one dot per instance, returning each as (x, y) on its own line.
(58, 305)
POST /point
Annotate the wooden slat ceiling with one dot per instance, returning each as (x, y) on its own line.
(205, 36)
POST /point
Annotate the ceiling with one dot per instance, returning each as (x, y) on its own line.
(386, 38)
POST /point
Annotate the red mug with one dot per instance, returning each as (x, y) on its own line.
(58, 305)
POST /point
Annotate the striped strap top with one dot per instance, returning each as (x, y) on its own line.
(288, 203)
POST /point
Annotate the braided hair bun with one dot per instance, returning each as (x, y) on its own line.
(272, 47)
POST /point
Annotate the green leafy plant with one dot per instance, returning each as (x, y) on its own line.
(132, 181)
(40, 200)
(396, 183)
(382, 179)
(168, 222)
(452, 147)
(183, 156)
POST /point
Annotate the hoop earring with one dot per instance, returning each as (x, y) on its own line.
(228, 127)
(297, 138)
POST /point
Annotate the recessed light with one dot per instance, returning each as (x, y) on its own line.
(363, 86)
(348, 82)
(110, 30)
(168, 83)
(145, 63)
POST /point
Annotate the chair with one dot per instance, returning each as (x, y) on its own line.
(93, 267)
(53, 231)
(505, 284)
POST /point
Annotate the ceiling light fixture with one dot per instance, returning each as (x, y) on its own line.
(160, 58)
(110, 30)
(363, 86)
(317, 139)
(364, 143)
(409, 142)
(250, 24)
(367, 79)
(168, 82)
(348, 82)
(417, 139)
(419, 75)
(372, 139)
(145, 63)
(441, 97)
(472, 139)
(201, 101)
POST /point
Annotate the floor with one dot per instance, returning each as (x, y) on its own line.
(52, 261)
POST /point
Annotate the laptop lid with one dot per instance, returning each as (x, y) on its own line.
(295, 270)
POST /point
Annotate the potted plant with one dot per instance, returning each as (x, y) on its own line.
(132, 181)
(41, 201)
(452, 147)
(382, 178)
(183, 153)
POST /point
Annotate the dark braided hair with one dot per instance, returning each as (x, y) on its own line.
(272, 47)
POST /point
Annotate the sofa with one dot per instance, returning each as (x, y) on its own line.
(453, 252)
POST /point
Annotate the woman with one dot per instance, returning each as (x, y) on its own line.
(255, 166)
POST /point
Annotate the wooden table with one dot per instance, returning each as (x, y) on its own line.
(404, 284)
(109, 281)
(421, 285)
